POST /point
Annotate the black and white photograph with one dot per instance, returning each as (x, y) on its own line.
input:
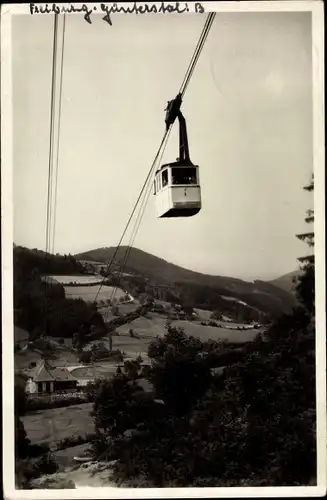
(163, 243)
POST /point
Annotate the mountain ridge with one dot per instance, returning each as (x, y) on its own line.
(285, 282)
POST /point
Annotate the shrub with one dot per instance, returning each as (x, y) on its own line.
(75, 441)
(29, 469)
(85, 357)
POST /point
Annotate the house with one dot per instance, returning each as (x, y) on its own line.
(48, 379)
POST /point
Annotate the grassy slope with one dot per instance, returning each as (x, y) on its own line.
(52, 425)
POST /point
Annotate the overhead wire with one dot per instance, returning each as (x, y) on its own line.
(53, 146)
(58, 132)
(183, 88)
(51, 137)
(139, 219)
(50, 166)
(196, 53)
(131, 215)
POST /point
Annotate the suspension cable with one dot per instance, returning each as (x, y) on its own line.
(132, 213)
(52, 192)
(139, 219)
(51, 138)
(50, 169)
(183, 88)
(197, 51)
(58, 133)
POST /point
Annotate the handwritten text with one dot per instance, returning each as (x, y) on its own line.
(114, 8)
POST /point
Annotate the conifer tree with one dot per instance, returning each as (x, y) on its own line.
(305, 287)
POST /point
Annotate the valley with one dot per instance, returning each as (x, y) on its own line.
(91, 341)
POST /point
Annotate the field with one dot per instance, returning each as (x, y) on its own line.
(205, 333)
(148, 328)
(65, 280)
(85, 292)
(49, 426)
(88, 293)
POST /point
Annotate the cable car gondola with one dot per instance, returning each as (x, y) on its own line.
(177, 185)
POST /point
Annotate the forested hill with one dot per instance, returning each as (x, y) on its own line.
(26, 260)
(259, 294)
(43, 309)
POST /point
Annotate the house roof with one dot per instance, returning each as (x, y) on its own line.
(46, 373)
(62, 375)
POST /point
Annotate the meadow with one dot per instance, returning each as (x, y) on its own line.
(53, 425)
(147, 328)
(83, 280)
(88, 293)
(205, 333)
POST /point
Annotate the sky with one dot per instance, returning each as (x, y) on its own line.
(248, 108)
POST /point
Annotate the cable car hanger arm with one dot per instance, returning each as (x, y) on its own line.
(172, 112)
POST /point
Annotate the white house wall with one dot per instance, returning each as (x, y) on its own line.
(31, 387)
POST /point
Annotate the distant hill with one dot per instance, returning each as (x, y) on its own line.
(27, 259)
(265, 296)
(285, 282)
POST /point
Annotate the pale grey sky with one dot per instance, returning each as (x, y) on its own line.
(249, 114)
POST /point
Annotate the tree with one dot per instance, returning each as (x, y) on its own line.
(187, 307)
(111, 398)
(178, 376)
(77, 341)
(217, 315)
(22, 442)
(132, 368)
(146, 299)
(20, 398)
(115, 310)
(110, 341)
(305, 287)
(85, 357)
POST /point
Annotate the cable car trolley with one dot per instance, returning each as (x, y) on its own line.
(176, 185)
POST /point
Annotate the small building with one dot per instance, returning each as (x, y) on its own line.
(47, 379)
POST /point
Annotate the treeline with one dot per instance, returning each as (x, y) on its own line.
(46, 263)
(41, 307)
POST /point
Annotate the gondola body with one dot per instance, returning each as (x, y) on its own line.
(177, 190)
